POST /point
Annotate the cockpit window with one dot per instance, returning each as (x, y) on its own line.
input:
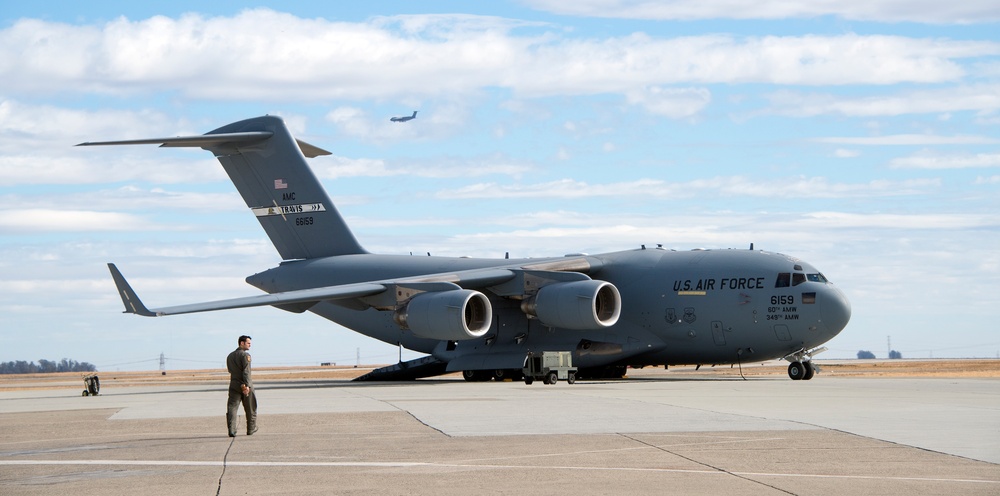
(784, 280)
(816, 277)
(798, 278)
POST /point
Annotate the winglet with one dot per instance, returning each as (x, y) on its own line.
(129, 298)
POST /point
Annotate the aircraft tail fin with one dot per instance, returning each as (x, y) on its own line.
(267, 166)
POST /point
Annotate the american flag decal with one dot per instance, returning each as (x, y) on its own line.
(280, 184)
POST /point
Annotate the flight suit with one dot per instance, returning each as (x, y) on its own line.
(238, 363)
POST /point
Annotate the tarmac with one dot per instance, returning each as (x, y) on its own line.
(650, 434)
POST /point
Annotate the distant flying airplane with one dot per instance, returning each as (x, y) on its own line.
(405, 117)
(639, 307)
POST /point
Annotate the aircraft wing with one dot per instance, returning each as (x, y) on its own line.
(134, 305)
(301, 300)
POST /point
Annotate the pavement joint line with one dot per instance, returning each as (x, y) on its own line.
(713, 467)
(615, 450)
(400, 464)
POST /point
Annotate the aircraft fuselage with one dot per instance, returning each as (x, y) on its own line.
(678, 307)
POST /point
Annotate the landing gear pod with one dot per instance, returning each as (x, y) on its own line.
(579, 305)
(447, 315)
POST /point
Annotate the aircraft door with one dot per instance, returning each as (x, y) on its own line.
(717, 333)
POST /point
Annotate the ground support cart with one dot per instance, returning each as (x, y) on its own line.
(549, 367)
(92, 385)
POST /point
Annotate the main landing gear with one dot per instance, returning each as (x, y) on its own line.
(802, 368)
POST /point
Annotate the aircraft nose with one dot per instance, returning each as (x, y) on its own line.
(836, 310)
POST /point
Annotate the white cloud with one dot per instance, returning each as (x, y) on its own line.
(927, 160)
(918, 221)
(925, 11)
(256, 248)
(36, 147)
(438, 56)
(41, 219)
(135, 198)
(85, 166)
(845, 153)
(982, 99)
(909, 140)
(338, 167)
(675, 103)
(735, 186)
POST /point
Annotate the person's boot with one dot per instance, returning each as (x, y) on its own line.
(230, 425)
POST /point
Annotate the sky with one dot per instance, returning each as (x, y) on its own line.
(860, 136)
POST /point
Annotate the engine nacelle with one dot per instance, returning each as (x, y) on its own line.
(579, 305)
(447, 315)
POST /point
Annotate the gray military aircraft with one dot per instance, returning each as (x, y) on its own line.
(404, 118)
(639, 307)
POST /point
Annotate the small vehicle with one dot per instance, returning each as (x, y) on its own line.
(92, 385)
(549, 367)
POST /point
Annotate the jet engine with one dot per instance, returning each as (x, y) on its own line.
(579, 305)
(452, 315)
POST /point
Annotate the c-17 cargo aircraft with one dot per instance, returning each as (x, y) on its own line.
(405, 117)
(639, 307)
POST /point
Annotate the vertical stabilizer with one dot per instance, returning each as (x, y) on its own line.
(269, 169)
(282, 191)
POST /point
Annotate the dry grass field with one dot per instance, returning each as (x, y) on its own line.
(945, 368)
(940, 368)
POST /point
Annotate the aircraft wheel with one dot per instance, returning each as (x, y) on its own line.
(475, 375)
(809, 372)
(553, 377)
(571, 377)
(504, 374)
(796, 370)
(86, 393)
(528, 379)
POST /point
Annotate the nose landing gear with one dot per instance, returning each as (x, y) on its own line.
(802, 368)
(801, 371)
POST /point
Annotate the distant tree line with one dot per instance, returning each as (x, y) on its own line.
(867, 355)
(44, 366)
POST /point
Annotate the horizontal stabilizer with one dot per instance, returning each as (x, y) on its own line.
(202, 140)
(209, 140)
